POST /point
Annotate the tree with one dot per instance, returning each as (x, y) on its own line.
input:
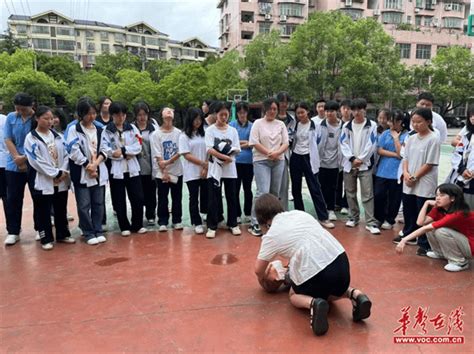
(266, 66)
(9, 44)
(132, 86)
(159, 69)
(452, 77)
(21, 59)
(90, 84)
(60, 68)
(110, 64)
(184, 87)
(224, 74)
(35, 83)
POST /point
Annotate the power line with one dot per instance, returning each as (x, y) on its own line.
(13, 7)
(22, 7)
(28, 6)
(8, 8)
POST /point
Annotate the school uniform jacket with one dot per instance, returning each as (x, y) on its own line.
(313, 145)
(322, 137)
(80, 155)
(462, 158)
(42, 170)
(132, 146)
(368, 145)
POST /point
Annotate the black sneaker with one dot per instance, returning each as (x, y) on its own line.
(255, 230)
(319, 316)
(421, 252)
(397, 240)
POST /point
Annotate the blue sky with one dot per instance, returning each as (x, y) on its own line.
(180, 19)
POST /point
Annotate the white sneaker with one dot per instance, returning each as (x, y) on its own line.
(143, 230)
(69, 240)
(48, 246)
(178, 226)
(93, 241)
(101, 239)
(126, 233)
(327, 224)
(236, 231)
(386, 226)
(351, 223)
(163, 228)
(12, 239)
(344, 211)
(37, 236)
(452, 267)
(151, 222)
(401, 233)
(211, 233)
(239, 220)
(332, 215)
(199, 229)
(373, 229)
(434, 255)
(222, 225)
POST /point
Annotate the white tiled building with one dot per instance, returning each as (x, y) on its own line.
(55, 34)
(429, 24)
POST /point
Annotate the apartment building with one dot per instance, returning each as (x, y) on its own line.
(55, 34)
(419, 27)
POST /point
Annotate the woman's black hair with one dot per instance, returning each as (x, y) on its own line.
(303, 105)
(470, 113)
(268, 103)
(456, 192)
(141, 106)
(387, 113)
(218, 106)
(283, 96)
(58, 112)
(84, 105)
(331, 106)
(359, 103)
(38, 113)
(426, 114)
(118, 107)
(398, 115)
(101, 101)
(242, 106)
(191, 115)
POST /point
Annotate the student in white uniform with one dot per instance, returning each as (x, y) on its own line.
(318, 268)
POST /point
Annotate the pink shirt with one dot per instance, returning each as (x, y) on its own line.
(270, 134)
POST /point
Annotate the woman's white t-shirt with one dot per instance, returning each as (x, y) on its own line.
(196, 146)
(214, 134)
(299, 237)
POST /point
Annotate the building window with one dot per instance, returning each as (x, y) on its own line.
(264, 8)
(162, 43)
(246, 35)
(78, 45)
(40, 43)
(65, 45)
(428, 21)
(430, 4)
(65, 31)
(104, 48)
(21, 29)
(287, 30)
(118, 37)
(419, 4)
(409, 19)
(264, 27)
(152, 41)
(454, 6)
(133, 38)
(40, 29)
(89, 34)
(405, 49)
(188, 52)
(90, 47)
(104, 36)
(355, 14)
(393, 4)
(246, 17)
(418, 20)
(452, 22)
(423, 51)
(291, 9)
(175, 52)
(392, 17)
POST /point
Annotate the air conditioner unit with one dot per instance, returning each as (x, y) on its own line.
(448, 7)
(377, 12)
(283, 18)
(417, 9)
(268, 17)
(348, 3)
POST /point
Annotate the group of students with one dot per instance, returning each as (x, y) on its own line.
(395, 161)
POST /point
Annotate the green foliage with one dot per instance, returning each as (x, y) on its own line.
(36, 83)
(224, 74)
(186, 86)
(9, 44)
(132, 86)
(110, 64)
(159, 69)
(90, 84)
(60, 68)
(21, 59)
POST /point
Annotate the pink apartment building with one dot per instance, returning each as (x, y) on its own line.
(429, 24)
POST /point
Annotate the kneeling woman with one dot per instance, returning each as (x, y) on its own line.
(48, 178)
(449, 227)
(318, 265)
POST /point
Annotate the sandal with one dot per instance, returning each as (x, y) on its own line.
(361, 310)
(319, 316)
